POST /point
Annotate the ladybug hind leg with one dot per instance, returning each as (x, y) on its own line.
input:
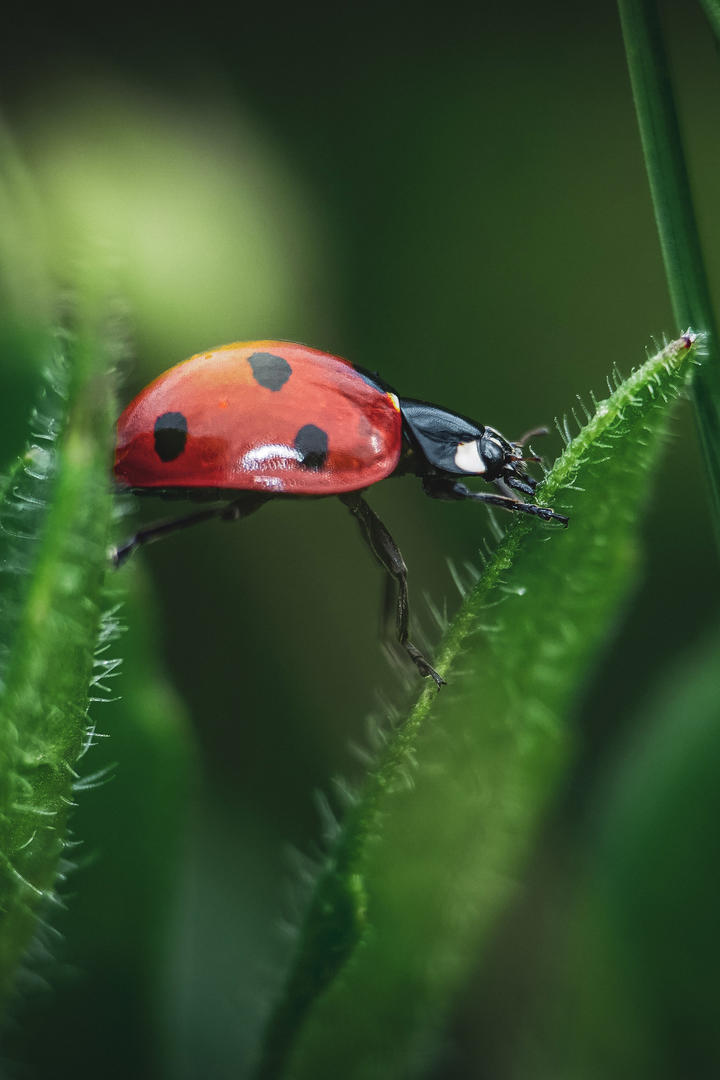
(239, 508)
(388, 555)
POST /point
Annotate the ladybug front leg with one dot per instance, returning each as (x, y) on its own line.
(388, 555)
(440, 488)
(240, 508)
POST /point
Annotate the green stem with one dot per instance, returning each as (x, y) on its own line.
(674, 213)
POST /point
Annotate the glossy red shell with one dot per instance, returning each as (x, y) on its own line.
(242, 434)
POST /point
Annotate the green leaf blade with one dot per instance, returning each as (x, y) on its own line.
(428, 856)
(57, 512)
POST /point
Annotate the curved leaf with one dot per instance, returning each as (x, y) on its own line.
(427, 855)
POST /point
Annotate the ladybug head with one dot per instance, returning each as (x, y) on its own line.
(456, 445)
(502, 459)
(494, 451)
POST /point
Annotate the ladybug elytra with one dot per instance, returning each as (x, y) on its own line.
(254, 421)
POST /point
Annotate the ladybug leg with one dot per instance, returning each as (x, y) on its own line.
(527, 487)
(439, 488)
(389, 605)
(388, 555)
(242, 507)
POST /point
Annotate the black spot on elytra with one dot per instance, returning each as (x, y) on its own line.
(269, 370)
(170, 435)
(312, 443)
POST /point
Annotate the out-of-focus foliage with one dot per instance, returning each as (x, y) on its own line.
(123, 890)
(624, 981)
(193, 209)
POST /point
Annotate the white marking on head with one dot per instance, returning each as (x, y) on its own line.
(468, 459)
(277, 454)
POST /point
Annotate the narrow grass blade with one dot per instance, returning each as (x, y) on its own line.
(675, 214)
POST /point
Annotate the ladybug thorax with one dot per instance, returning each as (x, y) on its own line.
(447, 442)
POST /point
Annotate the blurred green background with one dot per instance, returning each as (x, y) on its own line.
(456, 200)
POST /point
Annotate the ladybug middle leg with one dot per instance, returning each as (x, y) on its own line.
(241, 507)
(388, 555)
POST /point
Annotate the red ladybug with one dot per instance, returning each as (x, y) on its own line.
(259, 420)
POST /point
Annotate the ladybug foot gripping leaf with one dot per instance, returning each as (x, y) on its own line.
(258, 420)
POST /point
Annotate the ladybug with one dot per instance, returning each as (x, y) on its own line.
(253, 421)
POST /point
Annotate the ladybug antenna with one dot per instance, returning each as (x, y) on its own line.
(532, 434)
